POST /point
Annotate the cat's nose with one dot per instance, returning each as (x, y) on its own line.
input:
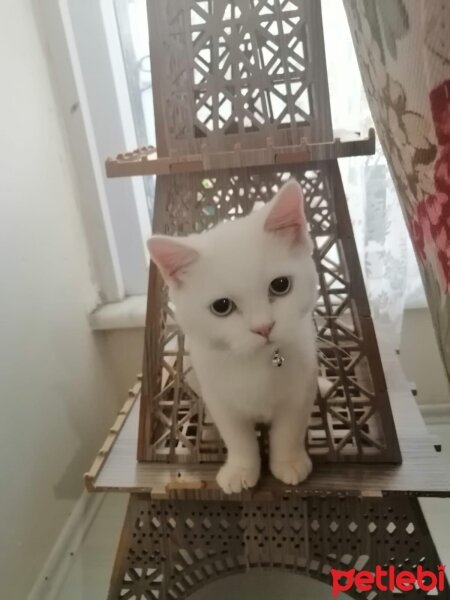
(263, 330)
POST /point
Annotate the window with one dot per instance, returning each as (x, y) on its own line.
(95, 63)
(132, 25)
(99, 51)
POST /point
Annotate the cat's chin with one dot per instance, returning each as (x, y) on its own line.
(239, 350)
(261, 349)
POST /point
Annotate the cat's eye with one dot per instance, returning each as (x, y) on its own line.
(222, 307)
(280, 286)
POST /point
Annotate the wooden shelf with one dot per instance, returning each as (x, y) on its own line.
(424, 472)
(145, 161)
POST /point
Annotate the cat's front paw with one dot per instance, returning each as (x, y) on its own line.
(234, 477)
(293, 470)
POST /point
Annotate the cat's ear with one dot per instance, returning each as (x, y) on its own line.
(286, 214)
(172, 256)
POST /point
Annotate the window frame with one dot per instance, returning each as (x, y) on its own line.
(82, 42)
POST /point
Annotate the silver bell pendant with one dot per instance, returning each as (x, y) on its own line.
(277, 359)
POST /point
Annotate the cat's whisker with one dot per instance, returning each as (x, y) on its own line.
(321, 316)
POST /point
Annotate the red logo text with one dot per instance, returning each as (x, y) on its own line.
(388, 579)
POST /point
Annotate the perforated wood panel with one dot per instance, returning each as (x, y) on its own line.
(228, 71)
(353, 421)
(170, 549)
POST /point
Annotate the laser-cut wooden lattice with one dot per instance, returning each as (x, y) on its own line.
(353, 421)
(170, 549)
(241, 71)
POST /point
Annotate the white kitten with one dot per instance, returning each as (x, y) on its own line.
(241, 291)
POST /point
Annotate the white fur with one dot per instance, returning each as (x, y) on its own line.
(239, 385)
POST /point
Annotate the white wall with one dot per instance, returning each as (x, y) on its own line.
(124, 350)
(55, 395)
(419, 355)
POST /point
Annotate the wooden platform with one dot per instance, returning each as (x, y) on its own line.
(145, 161)
(424, 472)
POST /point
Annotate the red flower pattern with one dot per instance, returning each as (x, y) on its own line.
(440, 109)
(442, 169)
(430, 225)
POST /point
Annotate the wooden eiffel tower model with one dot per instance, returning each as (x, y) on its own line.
(241, 104)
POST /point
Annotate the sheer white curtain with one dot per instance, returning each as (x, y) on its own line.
(387, 258)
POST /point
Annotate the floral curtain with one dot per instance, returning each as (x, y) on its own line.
(403, 50)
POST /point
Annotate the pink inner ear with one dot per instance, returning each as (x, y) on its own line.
(172, 256)
(286, 215)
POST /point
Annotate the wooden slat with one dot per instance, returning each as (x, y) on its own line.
(103, 453)
(145, 161)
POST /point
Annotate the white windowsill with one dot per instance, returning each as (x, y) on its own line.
(126, 314)
(415, 303)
